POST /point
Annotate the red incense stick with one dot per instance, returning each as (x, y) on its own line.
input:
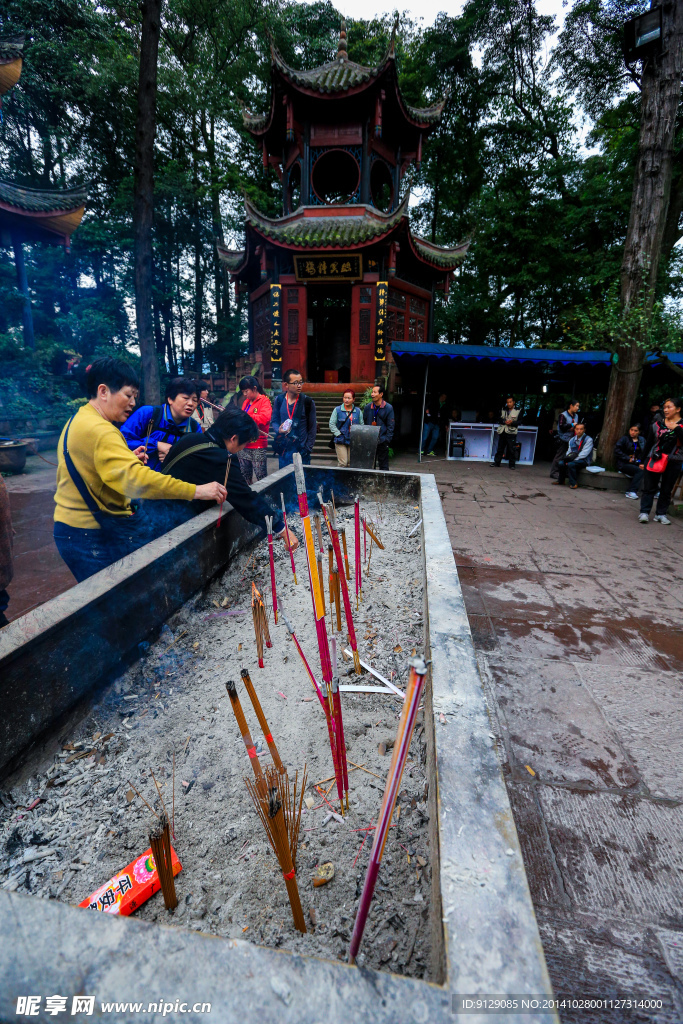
(271, 556)
(406, 725)
(356, 524)
(331, 731)
(291, 553)
(331, 521)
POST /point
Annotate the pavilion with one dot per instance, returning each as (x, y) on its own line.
(340, 276)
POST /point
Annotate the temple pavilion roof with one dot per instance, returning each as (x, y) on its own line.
(342, 77)
(325, 229)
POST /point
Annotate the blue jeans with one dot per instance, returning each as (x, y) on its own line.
(571, 470)
(88, 551)
(430, 435)
(288, 458)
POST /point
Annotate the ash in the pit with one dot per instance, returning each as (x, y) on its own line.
(88, 823)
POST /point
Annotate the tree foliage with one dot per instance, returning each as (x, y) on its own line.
(533, 160)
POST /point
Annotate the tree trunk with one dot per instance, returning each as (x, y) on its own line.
(143, 203)
(198, 268)
(661, 92)
(22, 282)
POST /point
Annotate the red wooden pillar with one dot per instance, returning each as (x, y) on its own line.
(362, 332)
(295, 348)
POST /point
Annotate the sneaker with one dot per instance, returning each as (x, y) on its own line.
(643, 518)
(495, 465)
(511, 466)
(573, 487)
(431, 453)
(662, 520)
(630, 494)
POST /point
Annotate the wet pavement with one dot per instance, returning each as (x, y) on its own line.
(39, 572)
(576, 615)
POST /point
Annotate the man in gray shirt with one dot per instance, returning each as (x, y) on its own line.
(507, 433)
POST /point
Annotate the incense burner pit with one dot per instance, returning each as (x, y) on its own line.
(152, 681)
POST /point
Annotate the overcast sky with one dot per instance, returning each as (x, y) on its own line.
(427, 9)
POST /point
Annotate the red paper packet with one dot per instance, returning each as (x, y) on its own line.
(130, 888)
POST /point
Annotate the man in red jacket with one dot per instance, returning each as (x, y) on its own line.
(257, 404)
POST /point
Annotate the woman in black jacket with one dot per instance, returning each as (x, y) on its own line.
(665, 440)
(628, 454)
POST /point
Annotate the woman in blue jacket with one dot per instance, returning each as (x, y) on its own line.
(157, 427)
(343, 416)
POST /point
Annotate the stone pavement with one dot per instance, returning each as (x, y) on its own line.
(39, 572)
(577, 617)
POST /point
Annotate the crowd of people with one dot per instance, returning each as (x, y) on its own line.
(127, 475)
(651, 461)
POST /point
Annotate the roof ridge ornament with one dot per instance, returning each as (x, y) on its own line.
(392, 43)
(342, 52)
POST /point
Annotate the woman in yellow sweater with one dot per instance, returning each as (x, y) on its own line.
(98, 475)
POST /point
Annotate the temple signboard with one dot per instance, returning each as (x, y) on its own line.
(331, 267)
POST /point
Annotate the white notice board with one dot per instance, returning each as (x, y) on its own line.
(481, 441)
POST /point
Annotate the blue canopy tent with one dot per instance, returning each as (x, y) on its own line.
(532, 365)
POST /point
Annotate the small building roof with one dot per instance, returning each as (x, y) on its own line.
(41, 213)
(11, 53)
(510, 354)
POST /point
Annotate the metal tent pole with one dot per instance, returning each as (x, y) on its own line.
(422, 423)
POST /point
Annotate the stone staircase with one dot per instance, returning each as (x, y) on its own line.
(324, 404)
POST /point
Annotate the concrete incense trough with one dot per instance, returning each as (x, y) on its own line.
(132, 664)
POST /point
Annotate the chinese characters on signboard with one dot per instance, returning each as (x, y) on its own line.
(381, 325)
(331, 267)
(276, 323)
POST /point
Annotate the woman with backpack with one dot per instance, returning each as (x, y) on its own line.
(663, 462)
(256, 404)
(343, 416)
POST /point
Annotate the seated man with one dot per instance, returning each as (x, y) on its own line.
(157, 427)
(205, 458)
(629, 455)
(577, 458)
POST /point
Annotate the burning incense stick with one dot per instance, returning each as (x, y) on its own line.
(149, 431)
(291, 553)
(322, 697)
(342, 530)
(173, 798)
(406, 725)
(373, 535)
(337, 596)
(258, 611)
(149, 808)
(163, 805)
(321, 577)
(246, 735)
(271, 556)
(318, 530)
(225, 484)
(336, 699)
(269, 808)
(262, 720)
(160, 841)
(341, 581)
